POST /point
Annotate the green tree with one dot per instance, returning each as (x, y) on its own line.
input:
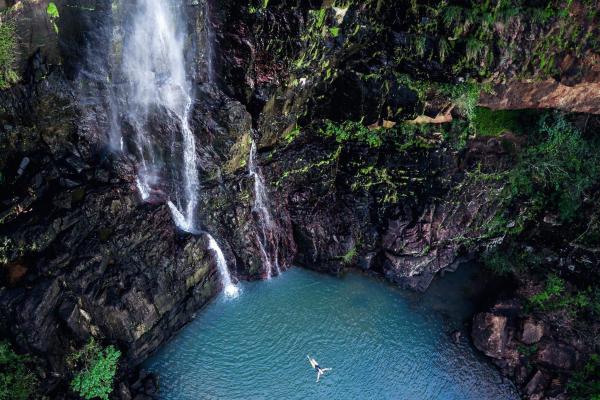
(16, 381)
(98, 367)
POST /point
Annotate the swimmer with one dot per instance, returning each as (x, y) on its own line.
(315, 365)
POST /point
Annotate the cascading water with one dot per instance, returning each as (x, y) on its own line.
(157, 89)
(268, 232)
(230, 289)
(153, 68)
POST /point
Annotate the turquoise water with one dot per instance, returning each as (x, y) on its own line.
(382, 343)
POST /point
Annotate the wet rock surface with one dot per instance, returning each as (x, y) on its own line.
(81, 255)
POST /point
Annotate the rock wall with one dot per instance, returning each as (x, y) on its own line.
(82, 256)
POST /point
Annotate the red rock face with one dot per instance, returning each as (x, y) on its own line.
(582, 97)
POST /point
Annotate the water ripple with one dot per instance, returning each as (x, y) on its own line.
(380, 343)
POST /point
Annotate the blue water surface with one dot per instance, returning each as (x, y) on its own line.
(382, 343)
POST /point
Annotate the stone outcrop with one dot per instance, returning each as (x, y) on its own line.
(490, 334)
(538, 359)
(583, 97)
(532, 331)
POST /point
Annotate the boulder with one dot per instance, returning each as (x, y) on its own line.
(557, 356)
(532, 331)
(536, 383)
(490, 334)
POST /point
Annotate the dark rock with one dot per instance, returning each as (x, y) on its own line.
(536, 383)
(532, 331)
(490, 334)
(456, 336)
(557, 356)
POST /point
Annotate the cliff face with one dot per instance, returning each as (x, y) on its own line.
(325, 91)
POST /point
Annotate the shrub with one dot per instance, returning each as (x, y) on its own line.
(555, 287)
(349, 257)
(97, 370)
(464, 96)
(16, 381)
(559, 169)
(585, 384)
(498, 263)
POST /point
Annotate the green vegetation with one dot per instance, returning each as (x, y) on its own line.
(252, 9)
(585, 384)
(238, 155)
(350, 256)
(488, 122)
(53, 14)
(97, 367)
(291, 135)
(556, 296)
(551, 175)
(8, 53)
(468, 40)
(555, 288)
(352, 131)
(52, 10)
(328, 161)
(16, 380)
(558, 170)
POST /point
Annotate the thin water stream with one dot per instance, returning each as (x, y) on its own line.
(382, 343)
(267, 237)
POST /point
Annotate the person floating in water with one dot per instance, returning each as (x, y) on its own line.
(315, 365)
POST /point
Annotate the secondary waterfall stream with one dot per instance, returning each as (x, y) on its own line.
(267, 235)
(157, 89)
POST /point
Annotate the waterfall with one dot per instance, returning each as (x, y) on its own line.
(156, 90)
(268, 230)
(230, 289)
(153, 68)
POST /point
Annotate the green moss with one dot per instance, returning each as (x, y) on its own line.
(239, 154)
(388, 182)
(290, 135)
(487, 122)
(352, 131)
(311, 166)
(8, 53)
(52, 10)
(53, 14)
(555, 287)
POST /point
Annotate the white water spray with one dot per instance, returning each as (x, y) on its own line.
(265, 220)
(229, 288)
(154, 69)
